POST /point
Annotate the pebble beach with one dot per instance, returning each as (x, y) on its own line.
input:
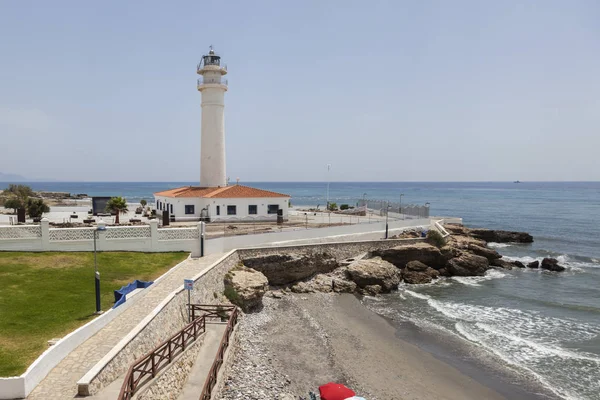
(298, 342)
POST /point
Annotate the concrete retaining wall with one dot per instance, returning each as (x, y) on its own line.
(169, 382)
(340, 251)
(167, 318)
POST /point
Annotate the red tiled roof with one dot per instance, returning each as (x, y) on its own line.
(227, 192)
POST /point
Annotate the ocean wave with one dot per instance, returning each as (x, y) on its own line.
(476, 280)
(567, 373)
(495, 245)
(563, 259)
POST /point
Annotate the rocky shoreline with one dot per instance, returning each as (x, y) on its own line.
(464, 252)
(296, 332)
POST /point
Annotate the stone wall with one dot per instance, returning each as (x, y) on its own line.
(169, 382)
(164, 322)
(340, 251)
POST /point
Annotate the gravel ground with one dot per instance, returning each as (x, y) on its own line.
(301, 341)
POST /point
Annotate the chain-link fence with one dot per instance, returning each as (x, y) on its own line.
(380, 207)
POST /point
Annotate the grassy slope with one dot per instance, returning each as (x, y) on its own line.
(47, 295)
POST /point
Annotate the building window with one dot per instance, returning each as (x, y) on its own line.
(231, 210)
(189, 209)
(252, 210)
(272, 208)
(158, 205)
(218, 210)
(171, 208)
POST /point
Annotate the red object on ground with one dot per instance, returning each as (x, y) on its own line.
(335, 391)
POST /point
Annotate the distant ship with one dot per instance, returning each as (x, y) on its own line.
(517, 182)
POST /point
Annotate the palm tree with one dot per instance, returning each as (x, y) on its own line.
(117, 205)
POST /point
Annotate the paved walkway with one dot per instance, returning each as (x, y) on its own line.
(206, 356)
(61, 382)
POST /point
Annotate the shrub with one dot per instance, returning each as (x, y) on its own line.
(333, 206)
(232, 295)
(344, 207)
(435, 238)
(36, 207)
(143, 203)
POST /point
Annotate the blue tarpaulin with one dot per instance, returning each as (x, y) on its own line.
(121, 294)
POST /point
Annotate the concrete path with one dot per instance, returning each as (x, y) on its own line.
(195, 382)
(61, 382)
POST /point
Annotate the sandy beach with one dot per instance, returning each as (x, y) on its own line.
(299, 342)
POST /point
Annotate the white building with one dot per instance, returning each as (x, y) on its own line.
(213, 199)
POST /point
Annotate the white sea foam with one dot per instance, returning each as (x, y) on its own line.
(476, 280)
(531, 341)
(495, 245)
(562, 259)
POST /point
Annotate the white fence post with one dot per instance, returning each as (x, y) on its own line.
(153, 235)
(45, 226)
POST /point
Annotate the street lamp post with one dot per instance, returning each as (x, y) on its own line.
(387, 211)
(365, 204)
(328, 181)
(101, 227)
(401, 194)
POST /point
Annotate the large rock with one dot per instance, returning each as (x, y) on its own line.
(490, 254)
(414, 277)
(374, 271)
(416, 272)
(464, 241)
(551, 264)
(245, 287)
(418, 266)
(401, 255)
(468, 264)
(319, 283)
(490, 235)
(534, 264)
(286, 269)
(501, 263)
(518, 264)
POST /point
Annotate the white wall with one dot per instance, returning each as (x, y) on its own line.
(125, 238)
(241, 204)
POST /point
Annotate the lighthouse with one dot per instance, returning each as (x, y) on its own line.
(212, 144)
(213, 199)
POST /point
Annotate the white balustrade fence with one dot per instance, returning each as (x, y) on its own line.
(152, 239)
(115, 238)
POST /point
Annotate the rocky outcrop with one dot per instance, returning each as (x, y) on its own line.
(374, 271)
(490, 254)
(551, 264)
(372, 290)
(501, 263)
(490, 235)
(467, 264)
(245, 288)
(518, 264)
(534, 264)
(463, 241)
(423, 252)
(286, 269)
(416, 272)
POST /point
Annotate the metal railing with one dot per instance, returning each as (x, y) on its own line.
(212, 82)
(211, 379)
(146, 367)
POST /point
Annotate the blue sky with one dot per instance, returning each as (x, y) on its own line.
(382, 90)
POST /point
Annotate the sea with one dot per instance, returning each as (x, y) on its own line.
(535, 330)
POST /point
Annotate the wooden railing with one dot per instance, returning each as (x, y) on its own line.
(146, 367)
(211, 379)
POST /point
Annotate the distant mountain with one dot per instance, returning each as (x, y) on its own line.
(11, 178)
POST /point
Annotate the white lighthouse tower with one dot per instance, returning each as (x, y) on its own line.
(213, 200)
(212, 143)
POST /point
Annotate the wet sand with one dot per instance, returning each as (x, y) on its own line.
(300, 342)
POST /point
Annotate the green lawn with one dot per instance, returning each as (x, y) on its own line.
(48, 295)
